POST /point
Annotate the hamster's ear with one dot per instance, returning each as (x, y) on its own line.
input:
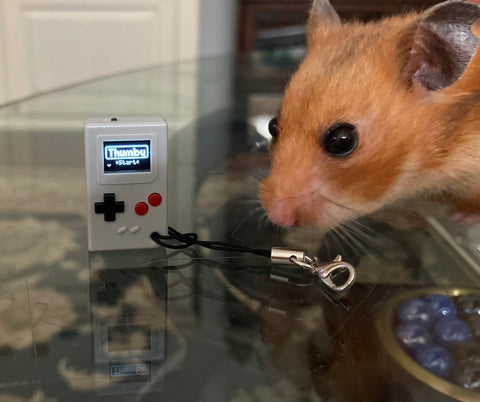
(321, 14)
(438, 47)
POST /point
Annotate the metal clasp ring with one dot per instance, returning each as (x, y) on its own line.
(326, 270)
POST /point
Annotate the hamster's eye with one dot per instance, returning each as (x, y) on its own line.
(273, 128)
(340, 140)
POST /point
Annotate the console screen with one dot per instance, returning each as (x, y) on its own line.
(126, 156)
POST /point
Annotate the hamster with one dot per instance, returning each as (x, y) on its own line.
(378, 112)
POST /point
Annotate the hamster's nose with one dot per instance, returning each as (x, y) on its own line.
(283, 212)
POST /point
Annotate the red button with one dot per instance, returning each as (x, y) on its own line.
(155, 199)
(141, 208)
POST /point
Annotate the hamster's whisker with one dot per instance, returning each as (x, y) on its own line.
(326, 240)
(249, 201)
(360, 233)
(263, 221)
(336, 203)
(257, 210)
(337, 235)
(371, 238)
(356, 243)
(266, 223)
(259, 174)
(317, 193)
(363, 228)
(339, 239)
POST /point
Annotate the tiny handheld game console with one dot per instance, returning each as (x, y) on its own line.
(126, 167)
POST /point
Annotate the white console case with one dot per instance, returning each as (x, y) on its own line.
(126, 203)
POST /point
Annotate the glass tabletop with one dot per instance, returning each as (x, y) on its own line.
(195, 324)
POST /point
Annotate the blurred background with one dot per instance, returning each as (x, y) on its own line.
(49, 44)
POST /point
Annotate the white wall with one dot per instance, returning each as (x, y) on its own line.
(50, 44)
(47, 44)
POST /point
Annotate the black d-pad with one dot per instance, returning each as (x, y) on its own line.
(109, 207)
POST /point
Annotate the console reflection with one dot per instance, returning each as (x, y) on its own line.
(129, 328)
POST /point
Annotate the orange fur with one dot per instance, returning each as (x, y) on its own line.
(410, 140)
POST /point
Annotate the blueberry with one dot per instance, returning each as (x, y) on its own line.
(416, 311)
(435, 359)
(467, 373)
(410, 336)
(442, 305)
(449, 331)
(468, 304)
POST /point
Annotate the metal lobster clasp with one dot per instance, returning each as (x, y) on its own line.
(326, 272)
